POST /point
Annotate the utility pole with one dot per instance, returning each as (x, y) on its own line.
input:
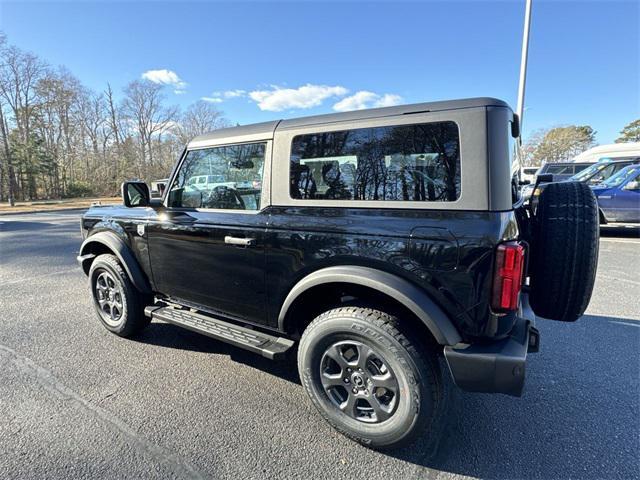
(523, 63)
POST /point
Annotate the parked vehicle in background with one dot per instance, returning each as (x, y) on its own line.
(592, 175)
(601, 171)
(528, 174)
(560, 172)
(619, 196)
(614, 151)
(157, 187)
(563, 170)
(373, 242)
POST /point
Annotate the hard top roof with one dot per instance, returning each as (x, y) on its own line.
(267, 128)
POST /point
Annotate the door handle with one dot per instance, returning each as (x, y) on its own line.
(243, 242)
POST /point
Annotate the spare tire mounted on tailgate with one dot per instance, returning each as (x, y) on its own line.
(565, 251)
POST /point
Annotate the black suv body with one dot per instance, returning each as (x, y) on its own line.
(390, 236)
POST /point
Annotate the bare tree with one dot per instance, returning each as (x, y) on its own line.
(58, 138)
(142, 106)
(19, 74)
(201, 117)
(113, 116)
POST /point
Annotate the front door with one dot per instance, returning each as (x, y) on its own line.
(207, 245)
(627, 200)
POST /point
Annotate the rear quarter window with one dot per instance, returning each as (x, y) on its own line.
(419, 162)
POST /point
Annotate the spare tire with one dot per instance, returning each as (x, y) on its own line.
(564, 251)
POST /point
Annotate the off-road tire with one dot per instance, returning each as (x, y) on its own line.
(416, 369)
(564, 251)
(132, 319)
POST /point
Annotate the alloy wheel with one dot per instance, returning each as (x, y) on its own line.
(359, 381)
(110, 298)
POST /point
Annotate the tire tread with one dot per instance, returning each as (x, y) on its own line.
(425, 361)
(565, 252)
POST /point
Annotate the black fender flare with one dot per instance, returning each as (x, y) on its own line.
(412, 297)
(120, 250)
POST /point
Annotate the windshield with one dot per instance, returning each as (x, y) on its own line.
(587, 173)
(621, 176)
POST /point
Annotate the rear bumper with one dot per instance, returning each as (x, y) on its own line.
(497, 367)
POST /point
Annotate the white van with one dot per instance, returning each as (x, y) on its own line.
(614, 151)
(529, 174)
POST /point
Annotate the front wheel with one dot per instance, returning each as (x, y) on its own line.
(368, 379)
(120, 307)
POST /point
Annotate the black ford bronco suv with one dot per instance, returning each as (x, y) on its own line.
(372, 242)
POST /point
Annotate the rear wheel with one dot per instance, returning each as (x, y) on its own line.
(367, 378)
(564, 251)
(120, 307)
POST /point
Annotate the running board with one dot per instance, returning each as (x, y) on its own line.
(267, 345)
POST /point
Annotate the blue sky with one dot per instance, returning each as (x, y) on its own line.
(264, 60)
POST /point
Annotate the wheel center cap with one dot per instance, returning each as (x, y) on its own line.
(357, 380)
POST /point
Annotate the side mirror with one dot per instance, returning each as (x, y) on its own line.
(135, 194)
(632, 185)
(515, 126)
(544, 178)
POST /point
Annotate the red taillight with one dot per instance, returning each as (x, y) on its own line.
(507, 276)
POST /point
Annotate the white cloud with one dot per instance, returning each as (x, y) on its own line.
(388, 100)
(219, 97)
(166, 77)
(234, 93)
(306, 96)
(212, 99)
(365, 99)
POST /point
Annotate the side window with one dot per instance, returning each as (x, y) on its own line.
(634, 184)
(228, 178)
(407, 162)
(559, 169)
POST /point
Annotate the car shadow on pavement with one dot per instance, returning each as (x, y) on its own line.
(626, 231)
(578, 414)
(13, 226)
(171, 336)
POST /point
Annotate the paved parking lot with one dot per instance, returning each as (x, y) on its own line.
(78, 402)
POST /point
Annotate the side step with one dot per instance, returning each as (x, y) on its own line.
(267, 345)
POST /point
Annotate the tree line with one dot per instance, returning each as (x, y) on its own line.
(59, 138)
(562, 144)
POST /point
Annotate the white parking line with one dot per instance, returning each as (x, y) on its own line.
(181, 467)
(626, 323)
(37, 277)
(618, 240)
(618, 279)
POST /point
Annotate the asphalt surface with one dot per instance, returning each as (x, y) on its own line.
(79, 402)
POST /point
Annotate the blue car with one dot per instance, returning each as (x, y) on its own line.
(619, 196)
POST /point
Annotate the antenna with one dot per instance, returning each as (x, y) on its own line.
(523, 63)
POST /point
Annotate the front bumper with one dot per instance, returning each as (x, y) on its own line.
(497, 367)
